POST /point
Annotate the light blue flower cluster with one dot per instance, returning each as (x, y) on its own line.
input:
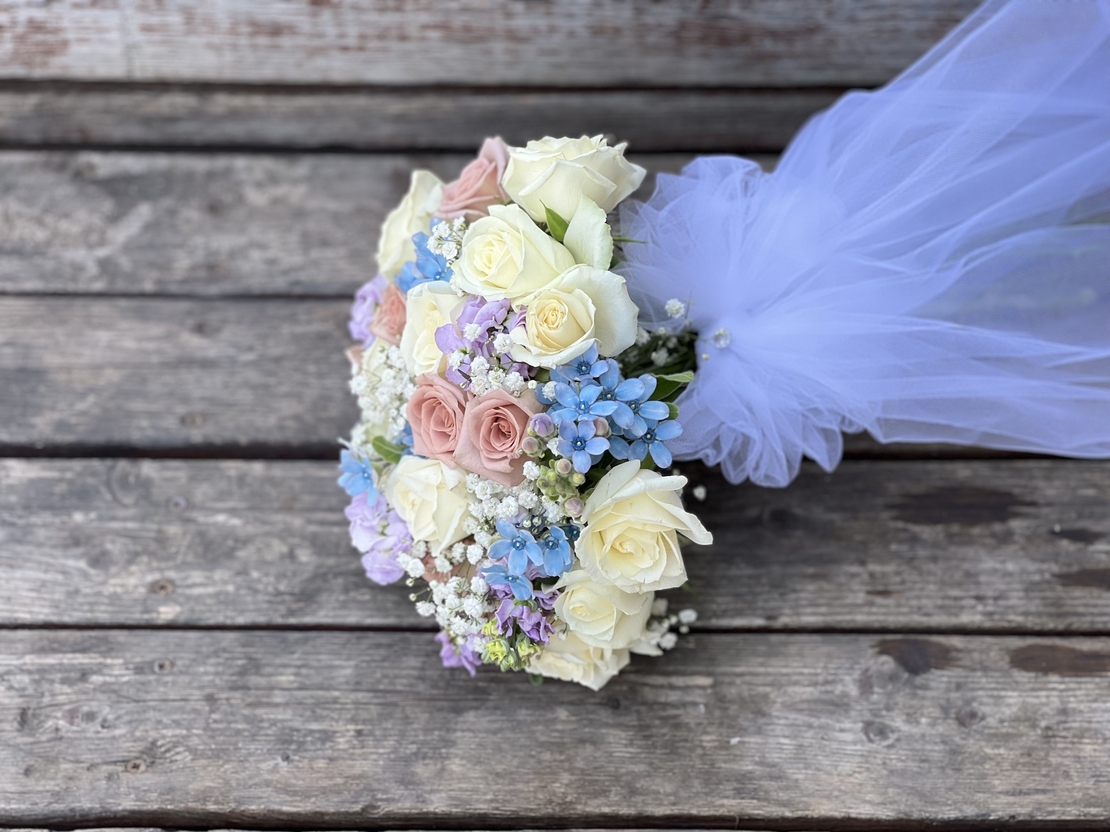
(525, 558)
(589, 389)
(427, 268)
(357, 477)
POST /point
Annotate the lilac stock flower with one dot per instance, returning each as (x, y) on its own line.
(580, 444)
(518, 546)
(530, 620)
(362, 310)
(581, 404)
(650, 442)
(472, 335)
(357, 476)
(466, 655)
(427, 268)
(556, 552)
(379, 533)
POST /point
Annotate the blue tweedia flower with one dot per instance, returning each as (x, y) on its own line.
(556, 552)
(621, 391)
(582, 404)
(584, 368)
(500, 576)
(650, 442)
(580, 444)
(427, 268)
(644, 411)
(518, 546)
(357, 477)
(572, 531)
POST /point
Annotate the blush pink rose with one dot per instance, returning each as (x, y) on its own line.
(389, 318)
(436, 412)
(493, 428)
(478, 186)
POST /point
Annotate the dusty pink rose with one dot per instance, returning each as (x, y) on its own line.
(435, 412)
(493, 428)
(389, 317)
(478, 186)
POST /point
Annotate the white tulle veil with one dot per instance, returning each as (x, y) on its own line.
(929, 262)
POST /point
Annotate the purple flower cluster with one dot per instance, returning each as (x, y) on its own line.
(533, 621)
(467, 655)
(379, 533)
(474, 334)
(362, 310)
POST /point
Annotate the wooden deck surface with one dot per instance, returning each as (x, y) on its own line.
(189, 194)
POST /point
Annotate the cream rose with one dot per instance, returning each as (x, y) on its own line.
(630, 537)
(431, 498)
(428, 307)
(572, 660)
(601, 614)
(583, 306)
(557, 173)
(416, 210)
(506, 255)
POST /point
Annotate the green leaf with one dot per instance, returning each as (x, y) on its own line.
(664, 389)
(681, 378)
(389, 451)
(556, 224)
(674, 409)
(626, 240)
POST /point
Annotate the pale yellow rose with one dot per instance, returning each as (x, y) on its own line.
(431, 498)
(506, 255)
(572, 660)
(557, 173)
(395, 247)
(601, 614)
(630, 537)
(429, 306)
(582, 306)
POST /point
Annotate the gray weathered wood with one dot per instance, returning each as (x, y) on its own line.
(205, 224)
(592, 43)
(943, 546)
(411, 119)
(365, 729)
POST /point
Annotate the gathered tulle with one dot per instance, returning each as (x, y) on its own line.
(929, 262)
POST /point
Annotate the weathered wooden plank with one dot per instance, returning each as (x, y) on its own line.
(173, 373)
(591, 43)
(317, 729)
(1019, 546)
(412, 119)
(207, 224)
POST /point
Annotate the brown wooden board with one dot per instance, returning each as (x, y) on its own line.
(1019, 546)
(590, 43)
(365, 730)
(383, 119)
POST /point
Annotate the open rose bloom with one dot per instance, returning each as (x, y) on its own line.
(511, 461)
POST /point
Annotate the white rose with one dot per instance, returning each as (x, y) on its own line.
(572, 660)
(601, 614)
(631, 520)
(582, 306)
(415, 212)
(589, 237)
(428, 307)
(506, 255)
(557, 173)
(431, 498)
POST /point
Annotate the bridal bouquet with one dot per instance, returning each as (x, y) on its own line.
(511, 458)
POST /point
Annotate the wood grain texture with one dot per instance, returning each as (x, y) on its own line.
(366, 729)
(383, 119)
(591, 43)
(206, 224)
(1020, 546)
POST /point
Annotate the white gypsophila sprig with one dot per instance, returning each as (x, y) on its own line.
(383, 386)
(446, 239)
